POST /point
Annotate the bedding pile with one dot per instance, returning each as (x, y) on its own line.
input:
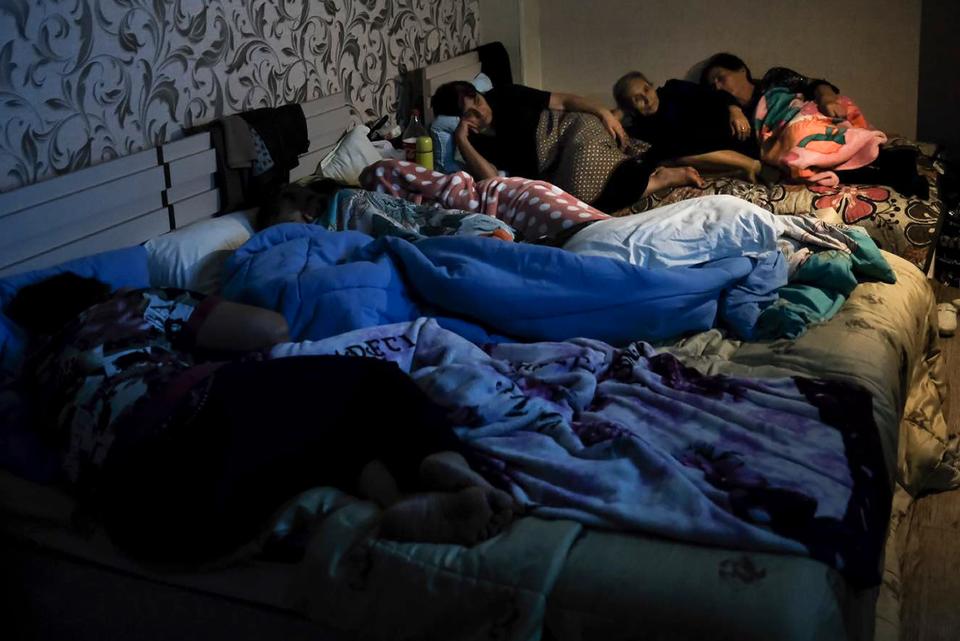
(326, 283)
(584, 431)
(796, 136)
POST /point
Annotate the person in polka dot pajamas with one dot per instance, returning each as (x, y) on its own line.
(534, 208)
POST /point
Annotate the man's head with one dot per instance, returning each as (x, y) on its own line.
(460, 98)
(635, 94)
(727, 72)
(46, 306)
(296, 203)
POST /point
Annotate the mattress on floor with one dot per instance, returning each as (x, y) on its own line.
(589, 584)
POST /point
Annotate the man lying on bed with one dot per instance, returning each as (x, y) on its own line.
(498, 130)
(186, 449)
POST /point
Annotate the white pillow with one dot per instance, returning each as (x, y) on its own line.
(350, 157)
(192, 257)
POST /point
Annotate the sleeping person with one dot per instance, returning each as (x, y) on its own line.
(175, 429)
(804, 126)
(500, 130)
(407, 200)
(687, 124)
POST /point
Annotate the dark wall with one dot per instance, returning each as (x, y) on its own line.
(938, 110)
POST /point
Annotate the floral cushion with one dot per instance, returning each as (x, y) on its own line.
(900, 225)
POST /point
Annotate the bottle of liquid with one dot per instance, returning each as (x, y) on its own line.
(424, 156)
(414, 130)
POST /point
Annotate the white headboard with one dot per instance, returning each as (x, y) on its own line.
(327, 119)
(462, 67)
(129, 200)
(114, 204)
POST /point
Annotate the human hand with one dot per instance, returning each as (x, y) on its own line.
(614, 128)
(464, 129)
(739, 125)
(664, 177)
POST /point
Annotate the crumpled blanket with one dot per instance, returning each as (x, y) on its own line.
(794, 135)
(631, 439)
(379, 215)
(825, 262)
(325, 283)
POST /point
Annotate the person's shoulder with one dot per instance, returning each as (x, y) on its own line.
(682, 87)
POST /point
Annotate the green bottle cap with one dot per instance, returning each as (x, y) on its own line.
(424, 143)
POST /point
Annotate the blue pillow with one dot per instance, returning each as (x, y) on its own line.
(444, 148)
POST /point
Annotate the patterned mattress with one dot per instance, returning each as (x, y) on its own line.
(900, 225)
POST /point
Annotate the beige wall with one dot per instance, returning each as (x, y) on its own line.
(869, 48)
(500, 21)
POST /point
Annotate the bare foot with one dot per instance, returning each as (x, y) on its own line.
(449, 471)
(663, 177)
(464, 517)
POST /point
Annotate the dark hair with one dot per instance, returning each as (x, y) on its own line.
(727, 61)
(311, 199)
(46, 306)
(447, 100)
(620, 89)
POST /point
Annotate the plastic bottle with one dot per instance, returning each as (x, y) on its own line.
(424, 154)
(414, 130)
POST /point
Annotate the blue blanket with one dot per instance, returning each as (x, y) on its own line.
(326, 283)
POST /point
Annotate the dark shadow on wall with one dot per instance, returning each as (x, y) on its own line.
(938, 101)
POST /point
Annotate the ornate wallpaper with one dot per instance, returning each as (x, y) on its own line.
(84, 81)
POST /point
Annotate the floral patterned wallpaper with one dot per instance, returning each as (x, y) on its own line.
(84, 81)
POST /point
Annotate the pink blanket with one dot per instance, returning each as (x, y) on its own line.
(794, 135)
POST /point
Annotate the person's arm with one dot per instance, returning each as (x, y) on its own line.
(225, 326)
(817, 89)
(573, 102)
(477, 166)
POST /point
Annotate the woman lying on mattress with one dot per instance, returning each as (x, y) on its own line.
(498, 130)
(174, 428)
(687, 124)
(804, 126)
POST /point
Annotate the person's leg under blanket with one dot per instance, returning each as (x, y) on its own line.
(268, 430)
(533, 207)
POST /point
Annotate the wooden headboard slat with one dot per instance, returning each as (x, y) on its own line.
(457, 62)
(61, 221)
(131, 232)
(463, 67)
(186, 146)
(192, 187)
(322, 105)
(129, 200)
(47, 190)
(189, 167)
(194, 208)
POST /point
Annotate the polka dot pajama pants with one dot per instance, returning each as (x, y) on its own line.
(532, 207)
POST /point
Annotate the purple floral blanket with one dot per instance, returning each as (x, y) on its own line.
(629, 439)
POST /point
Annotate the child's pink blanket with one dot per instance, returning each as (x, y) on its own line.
(794, 135)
